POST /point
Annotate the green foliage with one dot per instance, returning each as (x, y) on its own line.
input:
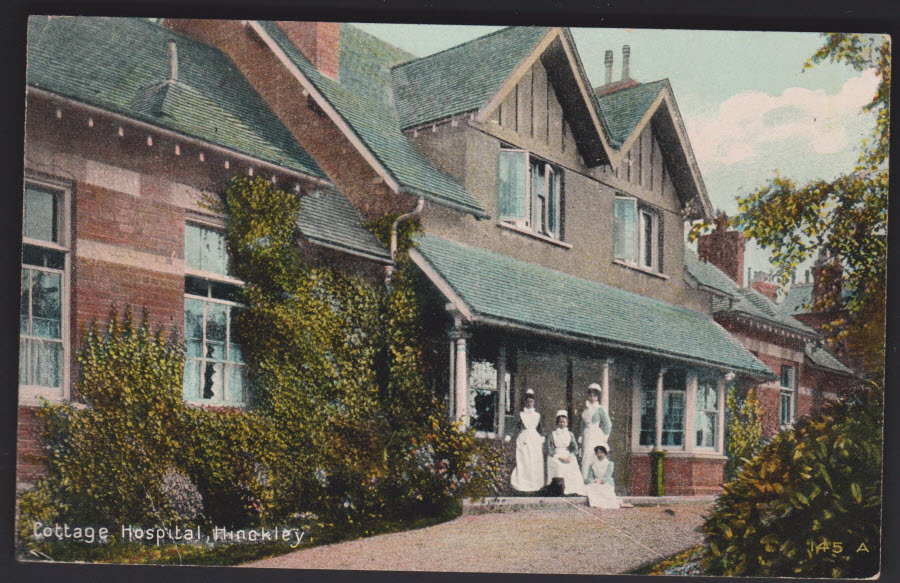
(804, 506)
(743, 428)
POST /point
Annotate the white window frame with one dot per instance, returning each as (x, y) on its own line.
(642, 214)
(539, 225)
(32, 394)
(716, 446)
(212, 224)
(789, 392)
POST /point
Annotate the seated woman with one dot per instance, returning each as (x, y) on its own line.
(601, 489)
(562, 456)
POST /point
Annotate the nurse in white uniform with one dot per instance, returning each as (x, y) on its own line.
(601, 489)
(528, 475)
(562, 456)
(596, 427)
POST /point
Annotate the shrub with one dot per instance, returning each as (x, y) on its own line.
(743, 423)
(809, 504)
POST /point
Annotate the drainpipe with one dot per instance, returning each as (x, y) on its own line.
(389, 270)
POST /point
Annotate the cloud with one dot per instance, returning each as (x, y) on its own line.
(752, 125)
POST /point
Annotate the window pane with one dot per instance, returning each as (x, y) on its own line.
(43, 257)
(40, 214)
(511, 185)
(25, 301)
(46, 305)
(647, 240)
(787, 376)
(485, 411)
(648, 406)
(204, 249)
(192, 380)
(193, 320)
(673, 417)
(47, 363)
(786, 412)
(538, 193)
(553, 202)
(625, 217)
(706, 418)
(235, 392)
(216, 321)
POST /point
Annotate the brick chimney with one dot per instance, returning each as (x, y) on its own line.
(762, 283)
(320, 43)
(724, 249)
(827, 276)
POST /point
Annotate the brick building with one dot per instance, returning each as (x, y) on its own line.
(553, 216)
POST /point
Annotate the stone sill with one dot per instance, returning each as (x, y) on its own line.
(640, 269)
(533, 235)
(700, 454)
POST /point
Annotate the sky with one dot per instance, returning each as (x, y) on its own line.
(748, 105)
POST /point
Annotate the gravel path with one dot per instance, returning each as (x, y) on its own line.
(551, 540)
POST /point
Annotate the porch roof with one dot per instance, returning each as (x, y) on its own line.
(499, 290)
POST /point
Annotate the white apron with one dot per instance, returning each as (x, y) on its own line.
(601, 495)
(569, 472)
(591, 437)
(528, 474)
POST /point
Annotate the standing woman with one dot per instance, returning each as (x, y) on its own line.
(596, 427)
(562, 456)
(528, 475)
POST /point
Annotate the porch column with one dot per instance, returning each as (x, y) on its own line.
(458, 336)
(501, 386)
(720, 438)
(659, 407)
(451, 388)
(690, 411)
(604, 395)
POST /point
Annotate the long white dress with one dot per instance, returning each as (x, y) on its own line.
(601, 495)
(528, 474)
(561, 444)
(597, 426)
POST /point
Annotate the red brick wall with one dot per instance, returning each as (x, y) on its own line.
(725, 250)
(29, 451)
(320, 43)
(682, 476)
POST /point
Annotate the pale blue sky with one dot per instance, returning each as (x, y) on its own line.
(748, 105)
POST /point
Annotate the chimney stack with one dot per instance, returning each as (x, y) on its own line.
(320, 43)
(608, 61)
(173, 61)
(762, 282)
(827, 277)
(626, 63)
(724, 249)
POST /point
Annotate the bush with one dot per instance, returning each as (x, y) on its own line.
(743, 423)
(809, 505)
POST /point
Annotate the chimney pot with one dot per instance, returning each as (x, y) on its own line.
(173, 61)
(626, 63)
(608, 61)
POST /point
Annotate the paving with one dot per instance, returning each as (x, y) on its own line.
(552, 538)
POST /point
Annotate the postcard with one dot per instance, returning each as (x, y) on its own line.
(525, 299)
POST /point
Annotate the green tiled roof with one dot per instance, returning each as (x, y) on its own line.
(797, 298)
(363, 96)
(742, 300)
(503, 290)
(462, 78)
(621, 111)
(120, 64)
(821, 358)
(328, 218)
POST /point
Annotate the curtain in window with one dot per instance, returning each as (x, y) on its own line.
(214, 369)
(40, 325)
(205, 249)
(512, 186)
(624, 231)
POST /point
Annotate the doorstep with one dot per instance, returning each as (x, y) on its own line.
(513, 503)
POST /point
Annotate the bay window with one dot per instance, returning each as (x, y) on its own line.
(636, 234)
(706, 423)
(42, 308)
(214, 369)
(529, 192)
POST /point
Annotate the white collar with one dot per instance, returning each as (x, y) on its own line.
(591, 405)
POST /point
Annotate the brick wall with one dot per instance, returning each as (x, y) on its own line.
(29, 451)
(682, 476)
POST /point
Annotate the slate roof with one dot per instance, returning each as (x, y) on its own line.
(327, 217)
(622, 110)
(821, 358)
(742, 300)
(798, 296)
(462, 78)
(119, 64)
(363, 96)
(500, 289)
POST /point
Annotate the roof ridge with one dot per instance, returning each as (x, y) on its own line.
(640, 85)
(460, 45)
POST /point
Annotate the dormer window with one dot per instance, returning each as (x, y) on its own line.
(529, 191)
(636, 234)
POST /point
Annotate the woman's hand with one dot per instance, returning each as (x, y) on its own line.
(565, 460)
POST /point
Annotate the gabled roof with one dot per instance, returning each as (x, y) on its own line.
(627, 112)
(741, 300)
(329, 219)
(821, 358)
(498, 290)
(363, 98)
(462, 78)
(797, 299)
(121, 64)
(623, 110)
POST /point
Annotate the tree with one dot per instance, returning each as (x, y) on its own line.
(845, 217)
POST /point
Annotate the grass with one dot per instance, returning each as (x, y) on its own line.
(224, 555)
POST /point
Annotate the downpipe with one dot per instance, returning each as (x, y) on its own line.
(389, 269)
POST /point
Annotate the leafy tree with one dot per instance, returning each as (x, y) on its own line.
(845, 217)
(743, 418)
